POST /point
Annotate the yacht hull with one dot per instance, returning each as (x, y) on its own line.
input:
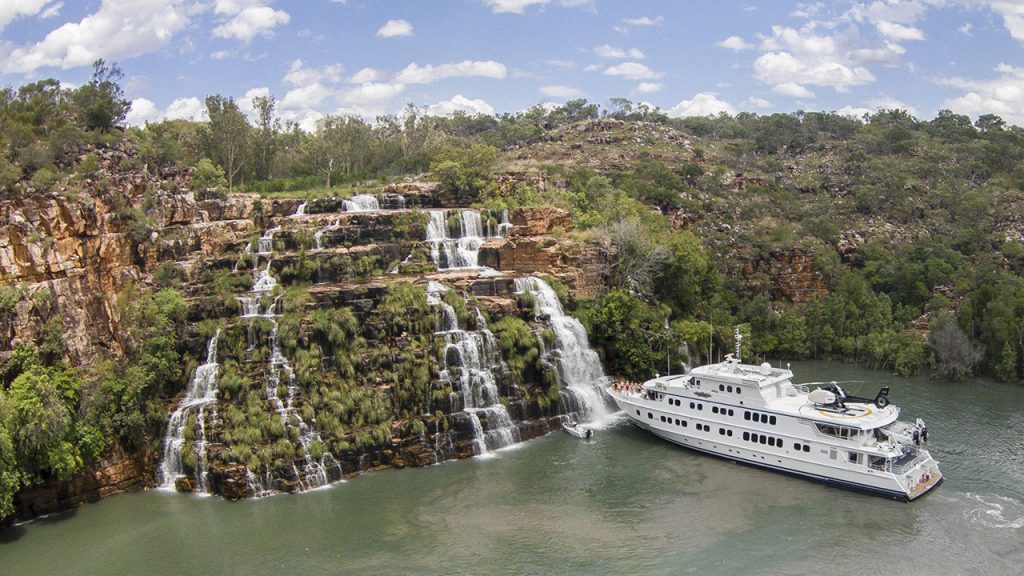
(879, 484)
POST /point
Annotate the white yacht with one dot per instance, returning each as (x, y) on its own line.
(756, 415)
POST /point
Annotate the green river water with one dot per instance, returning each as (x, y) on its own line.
(623, 503)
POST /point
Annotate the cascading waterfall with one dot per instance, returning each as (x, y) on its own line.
(454, 253)
(314, 472)
(470, 361)
(301, 209)
(579, 367)
(202, 391)
(318, 236)
(266, 241)
(361, 203)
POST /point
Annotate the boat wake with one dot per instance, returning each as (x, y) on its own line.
(995, 511)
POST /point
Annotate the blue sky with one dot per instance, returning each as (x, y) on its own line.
(366, 57)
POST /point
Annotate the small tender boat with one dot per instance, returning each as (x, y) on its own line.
(577, 430)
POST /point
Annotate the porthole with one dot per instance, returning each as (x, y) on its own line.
(729, 389)
(772, 420)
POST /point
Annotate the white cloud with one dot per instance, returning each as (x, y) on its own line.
(792, 90)
(894, 31)
(247, 19)
(644, 21)
(857, 112)
(11, 9)
(366, 75)
(220, 54)
(52, 11)
(648, 87)
(142, 111)
(186, 108)
(966, 29)
(560, 63)
(460, 103)
(888, 103)
(633, 71)
(702, 104)
(606, 51)
(559, 91)
(118, 29)
(520, 6)
(415, 74)
(734, 43)
(299, 75)
(803, 57)
(1003, 95)
(305, 97)
(371, 93)
(393, 28)
(755, 102)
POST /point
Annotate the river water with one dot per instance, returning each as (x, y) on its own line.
(622, 503)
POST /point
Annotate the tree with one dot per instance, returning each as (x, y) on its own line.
(339, 146)
(955, 354)
(101, 103)
(227, 137)
(267, 129)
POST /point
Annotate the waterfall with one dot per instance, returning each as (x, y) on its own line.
(504, 225)
(279, 369)
(202, 391)
(470, 361)
(301, 210)
(263, 281)
(579, 367)
(361, 203)
(319, 234)
(453, 253)
(266, 241)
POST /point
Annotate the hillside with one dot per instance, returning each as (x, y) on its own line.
(166, 328)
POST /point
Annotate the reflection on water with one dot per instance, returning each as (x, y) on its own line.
(623, 503)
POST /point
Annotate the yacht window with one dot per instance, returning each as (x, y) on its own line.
(762, 439)
(832, 453)
(684, 423)
(662, 418)
(691, 405)
(730, 412)
(764, 418)
(728, 433)
(650, 416)
(746, 436)
(714, 409)
(807, 448)
(772, 420)
(637, 412)
(836, 431)
(771, 441)
(729, 389)
(721, 387)
(746, 415)
(700, 406)
(854, 457)
(796, 446)
(738, 390)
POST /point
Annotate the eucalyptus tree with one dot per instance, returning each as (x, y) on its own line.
(228, 137)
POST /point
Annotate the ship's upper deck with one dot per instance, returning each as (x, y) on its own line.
(771, 389)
